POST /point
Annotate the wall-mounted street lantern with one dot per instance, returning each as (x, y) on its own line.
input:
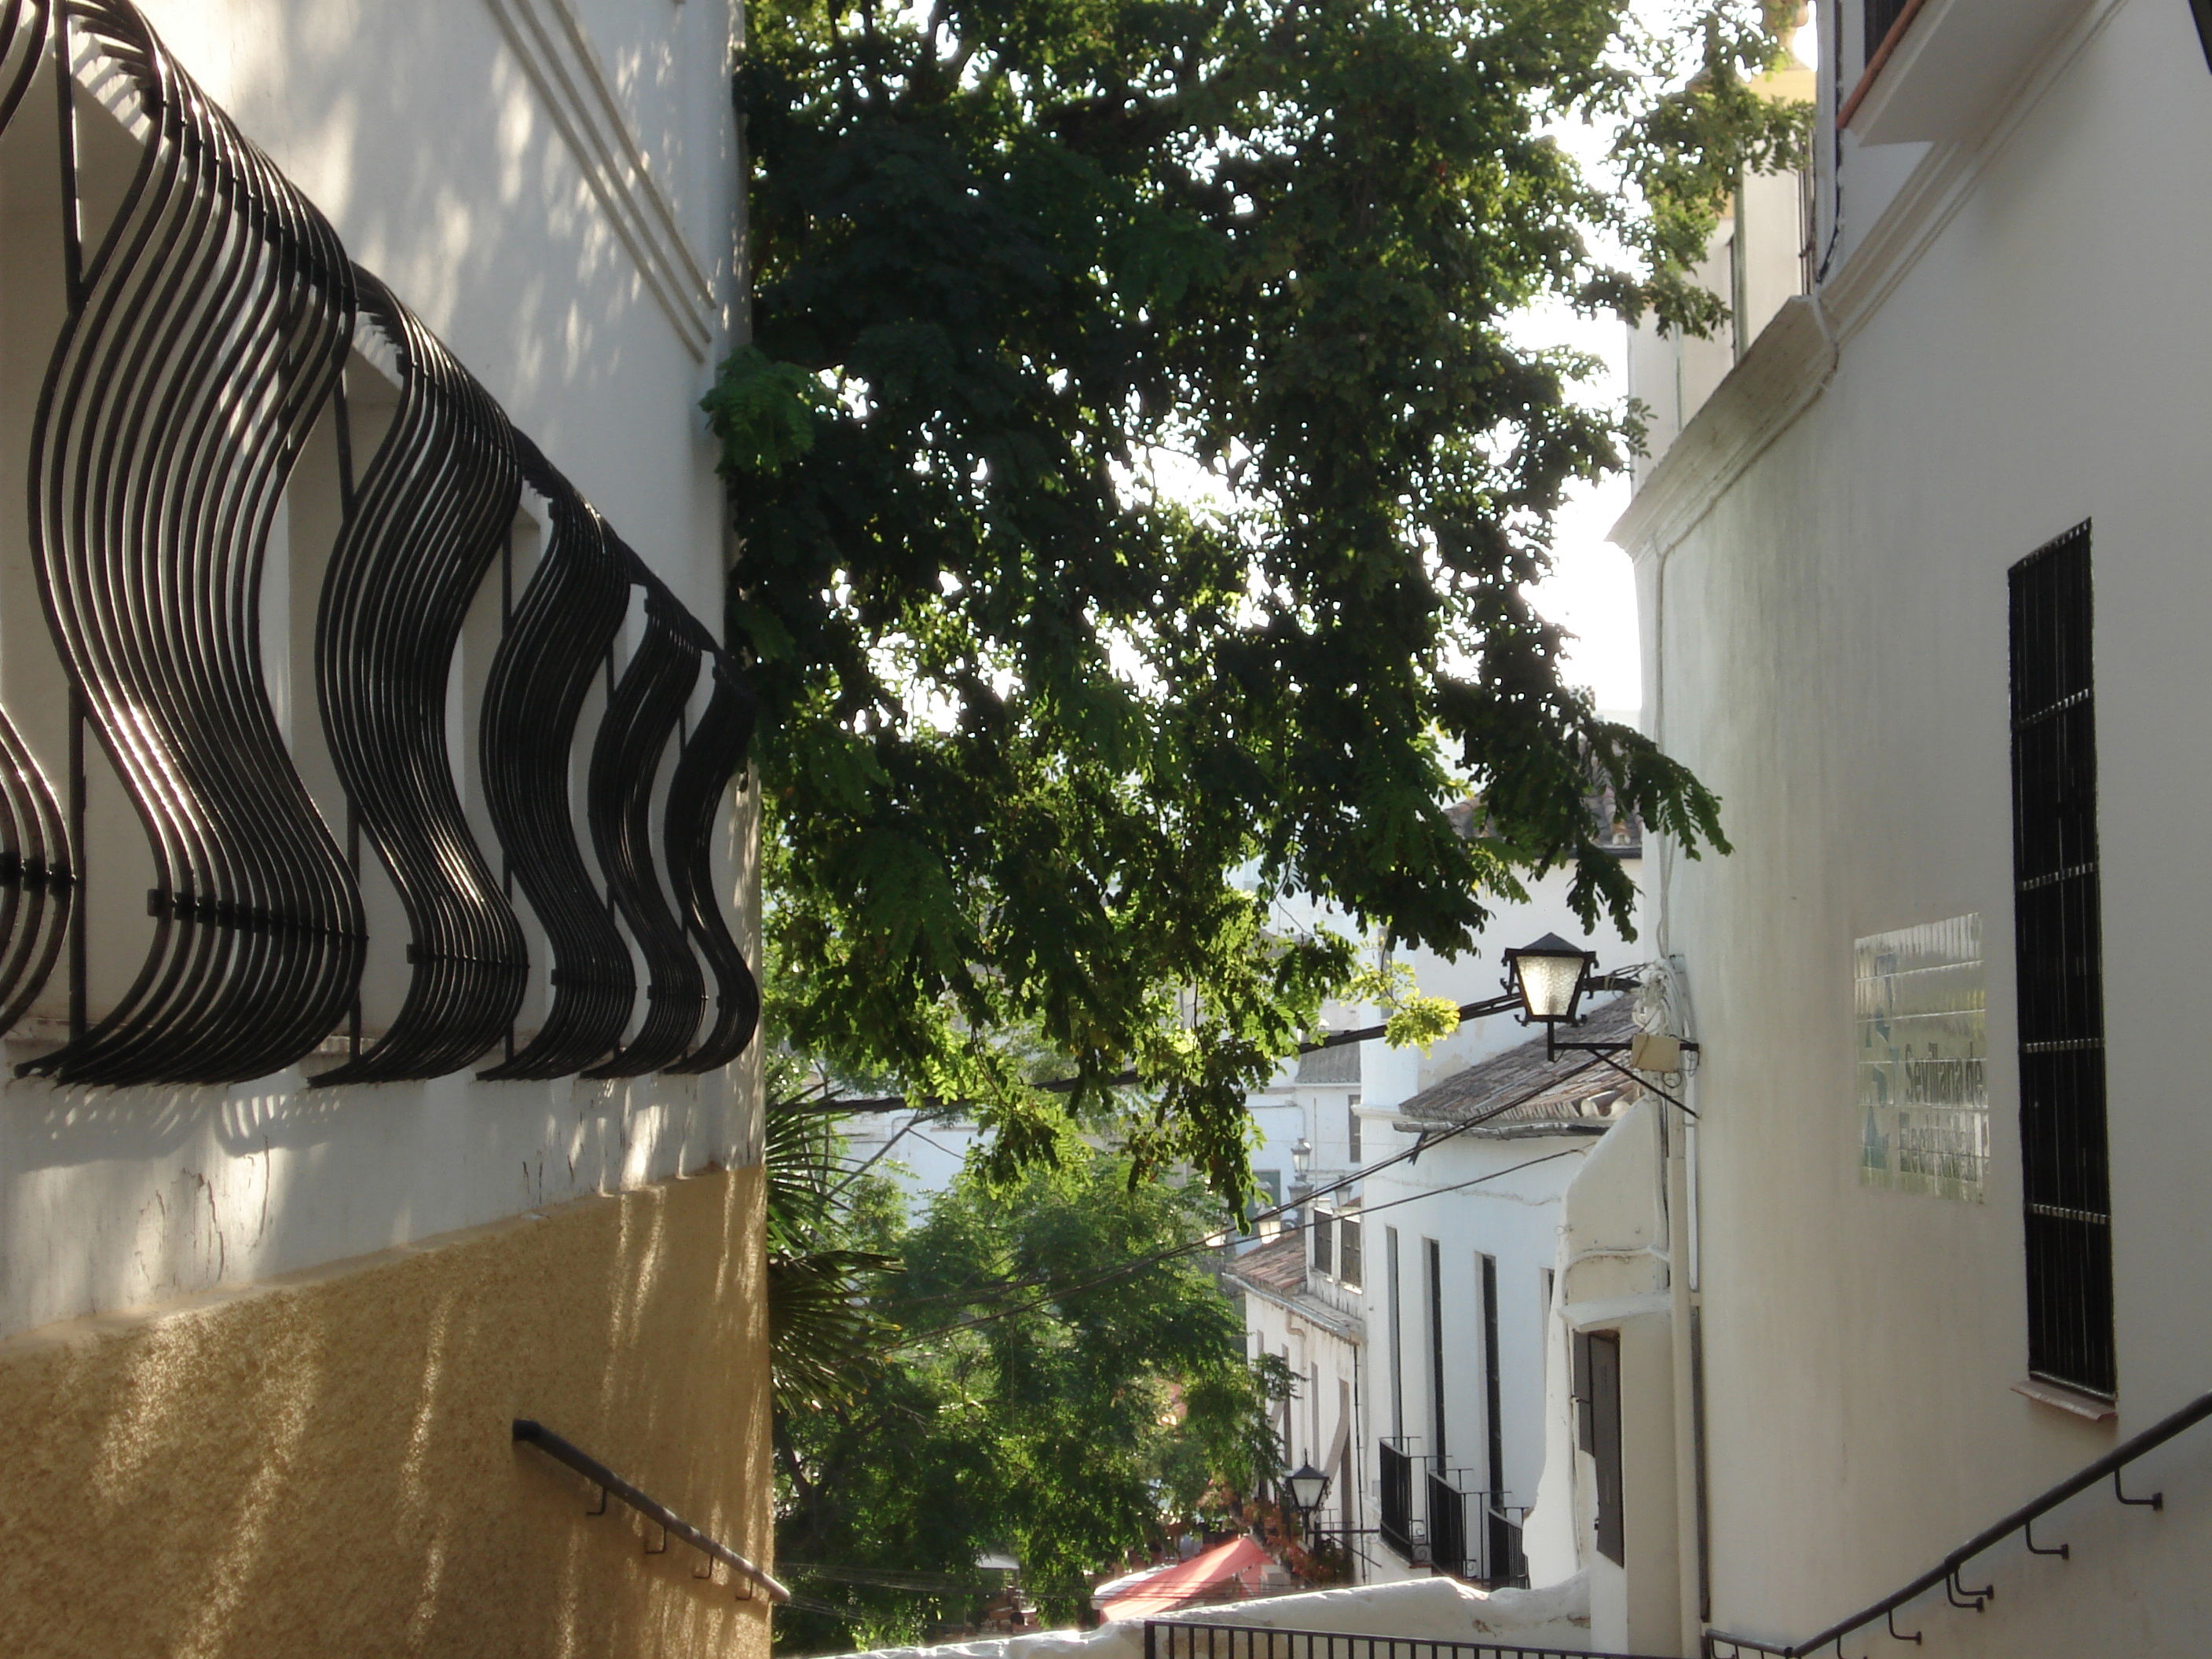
(1306, 1486)
(1550, 976)
(1302, 1157)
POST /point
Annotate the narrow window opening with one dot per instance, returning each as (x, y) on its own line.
(2059, 949)
(1499, 1562)
(1397, 1335)
(1602, 1413)
(1432, 1271)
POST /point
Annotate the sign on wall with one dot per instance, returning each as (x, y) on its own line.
(1921, 1060)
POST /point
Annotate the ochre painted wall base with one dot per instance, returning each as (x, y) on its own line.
(321, 1466)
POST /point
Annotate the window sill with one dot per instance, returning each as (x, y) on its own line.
(2062, 1398)
(1952, 66)
(1876, 64)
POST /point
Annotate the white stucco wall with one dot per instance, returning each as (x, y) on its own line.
(1513, 1217)
(1390, 1076)
(1513, 1220)
(1433, 1610)
(1325, 1419)
(1825, 615)
(572, 240)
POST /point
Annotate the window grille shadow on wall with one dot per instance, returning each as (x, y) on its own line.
(225, 395)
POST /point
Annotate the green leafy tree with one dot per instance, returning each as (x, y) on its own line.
(1139, 486)
(825, 1329)
(1048, 1399)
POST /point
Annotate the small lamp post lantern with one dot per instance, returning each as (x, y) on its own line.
(1549, 977)
(1306, 1486)
(1302, 1157)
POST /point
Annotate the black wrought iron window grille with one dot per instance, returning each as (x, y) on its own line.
(213, 327)
(2058, 957)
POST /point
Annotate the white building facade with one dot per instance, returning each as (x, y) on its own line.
(1921, 589)
(1410, 1296)
(374, 913)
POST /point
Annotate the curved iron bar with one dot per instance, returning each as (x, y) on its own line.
(714, 754)
(23, 49)
(1956, 1593)
(2155, 1501)
(642, 717)
(36, 870)
(569, 613)
(37, 882)
(214, 323)
(429, 515)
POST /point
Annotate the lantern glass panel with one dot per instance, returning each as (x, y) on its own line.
(1548, 981)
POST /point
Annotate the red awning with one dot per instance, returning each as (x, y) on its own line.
(1223, 1573)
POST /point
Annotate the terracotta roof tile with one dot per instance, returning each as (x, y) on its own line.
(1279, 1266)
(1589, 1100)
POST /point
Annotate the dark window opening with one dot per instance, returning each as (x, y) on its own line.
(2058, 949)
(1350, 1270)
(1882, 17)
(1493, 1427)
(1601, 1354)
(1397, 1333)
(1324, 1227)
(1433, 1271)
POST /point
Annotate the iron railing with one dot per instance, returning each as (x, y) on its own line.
(1725, 1645)
(1394, 1519)
(1177, 1638)
(214, 318)
(1475, 1536)
(610, 1485)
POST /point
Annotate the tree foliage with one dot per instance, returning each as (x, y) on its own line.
(1139, 485)
(825, 1327)
(1098, 1405)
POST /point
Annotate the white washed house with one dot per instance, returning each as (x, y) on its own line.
(368, 781)
(1923, 594)
(1448, 1279)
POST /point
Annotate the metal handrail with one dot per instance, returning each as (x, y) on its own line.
(530, 1433)
(1945, 1571)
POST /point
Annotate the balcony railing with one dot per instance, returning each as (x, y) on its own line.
(1475, 1536)
(1394, 1524)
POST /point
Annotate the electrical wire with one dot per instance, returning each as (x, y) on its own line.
(1192, 1246)
(830, 1106)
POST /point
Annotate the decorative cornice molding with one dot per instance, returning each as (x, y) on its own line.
(579, 96)
(1797, 354)
(1787, 366)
